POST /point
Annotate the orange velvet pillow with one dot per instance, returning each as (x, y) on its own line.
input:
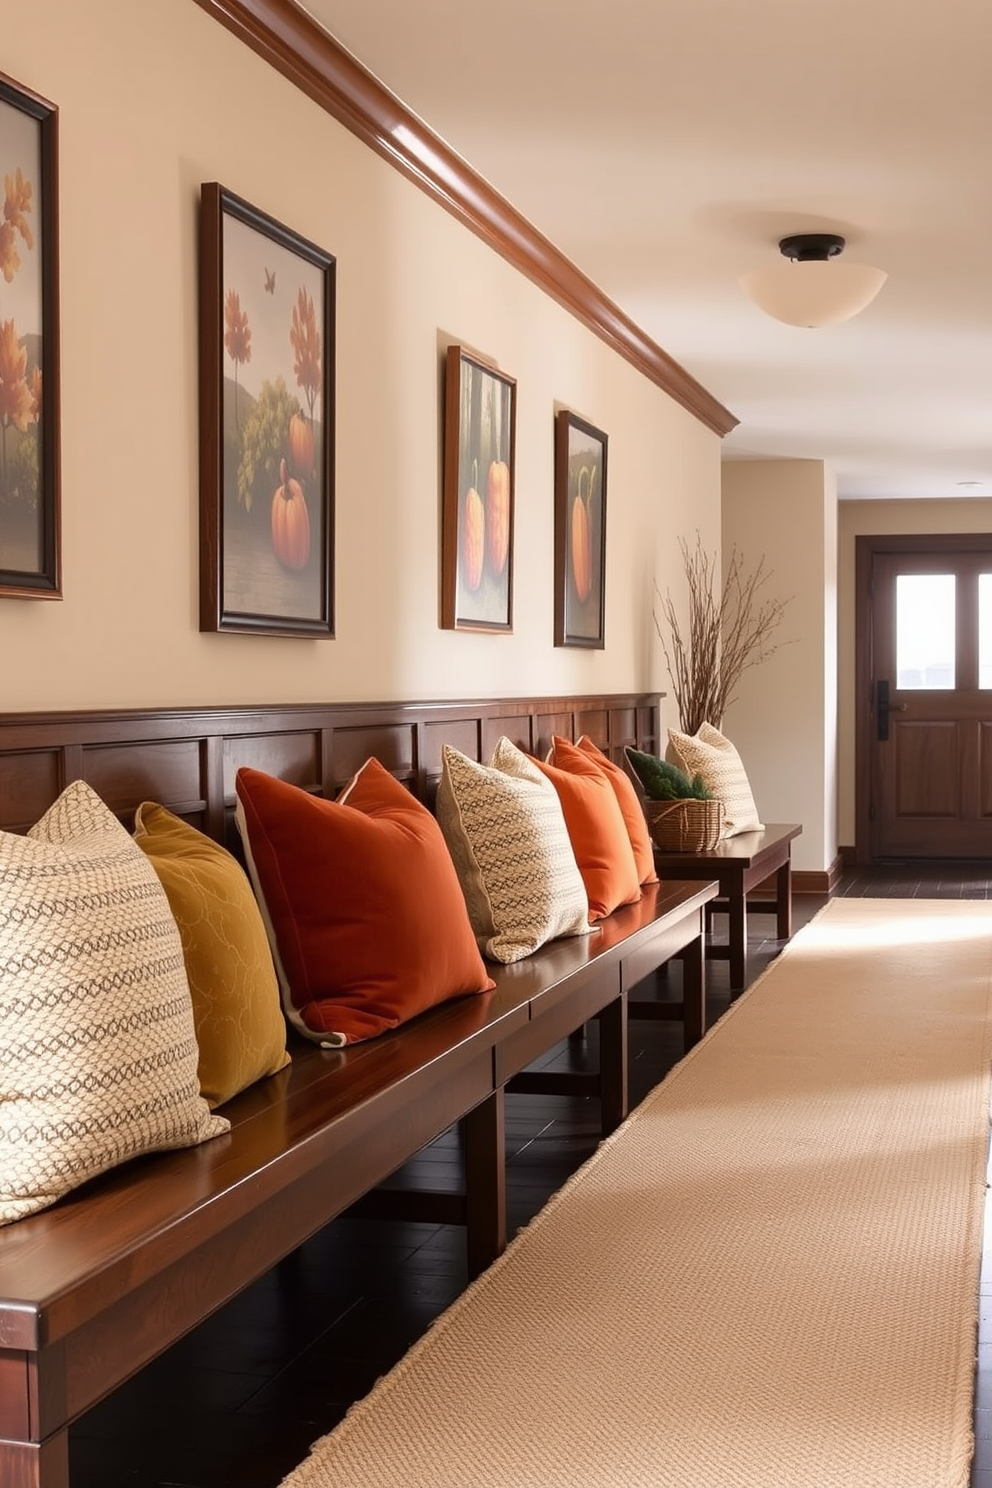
(596, 829)
(361, 902)
(629, 803)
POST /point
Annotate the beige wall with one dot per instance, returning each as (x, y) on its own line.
(155, 98)
(784, 719)
(878, 518)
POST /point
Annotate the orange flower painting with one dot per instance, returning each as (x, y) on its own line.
(29, 560)
(268, 507)
(16, 403)
(237, 338)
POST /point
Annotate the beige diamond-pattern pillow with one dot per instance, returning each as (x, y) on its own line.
(710, 754)
(507, 837)
(98, 1056)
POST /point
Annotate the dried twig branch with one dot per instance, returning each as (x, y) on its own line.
(728, 630)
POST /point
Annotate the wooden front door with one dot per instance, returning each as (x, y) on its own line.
(925, 697)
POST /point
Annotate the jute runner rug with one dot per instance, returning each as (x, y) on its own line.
(767, 1277)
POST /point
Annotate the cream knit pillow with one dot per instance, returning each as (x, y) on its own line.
(98, 1057)
(709, 754)
(507, 837)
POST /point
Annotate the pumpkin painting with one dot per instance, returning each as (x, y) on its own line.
(290, 522)
(473, 539)
(498, 516)
(581, 539)
(301, 444)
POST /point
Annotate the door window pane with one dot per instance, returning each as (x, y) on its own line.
(985, 630)
(925, 631)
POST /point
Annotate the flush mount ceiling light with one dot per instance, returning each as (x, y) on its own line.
(810, 287)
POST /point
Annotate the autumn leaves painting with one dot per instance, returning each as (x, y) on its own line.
(29, 560)
(267, 327)
(477, 539)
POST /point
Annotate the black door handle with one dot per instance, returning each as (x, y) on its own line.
(883, 708)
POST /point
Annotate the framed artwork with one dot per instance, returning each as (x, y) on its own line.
(580, 532)
(477, 516)
(30, 512)
(266, 423)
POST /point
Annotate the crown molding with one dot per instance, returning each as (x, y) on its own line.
(292, 42)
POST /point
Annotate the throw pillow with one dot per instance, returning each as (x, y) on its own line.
(365, 914)
(595, 828)
(98, 1052)
(712, 756)
(629, 803)
(510, 847)
(237, 1012)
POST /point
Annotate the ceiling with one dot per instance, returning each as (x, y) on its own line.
(665, 146)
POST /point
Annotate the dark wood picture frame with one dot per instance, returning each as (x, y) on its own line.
(267, 327)
(30, 476)
(580, 532)
(478, 498)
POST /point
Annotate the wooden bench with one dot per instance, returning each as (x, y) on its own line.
(739, 864)
(96, 1286)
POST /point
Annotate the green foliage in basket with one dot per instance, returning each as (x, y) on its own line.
(665, 782)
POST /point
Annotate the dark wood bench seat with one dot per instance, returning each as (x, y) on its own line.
(96, 1286)
(99, 1284)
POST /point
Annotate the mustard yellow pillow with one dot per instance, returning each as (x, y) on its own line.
(237, 1012)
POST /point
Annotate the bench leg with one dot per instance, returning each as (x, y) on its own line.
(783, 900)
(613, 1064)
(485, 1182)
(693, 993)
(737, 934)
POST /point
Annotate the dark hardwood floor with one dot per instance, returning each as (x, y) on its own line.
(238, 1402)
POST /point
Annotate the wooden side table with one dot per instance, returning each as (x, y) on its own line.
(739, 864)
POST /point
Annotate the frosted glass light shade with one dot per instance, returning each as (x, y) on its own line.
(813, 292)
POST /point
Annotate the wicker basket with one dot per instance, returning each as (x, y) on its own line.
(684, 826)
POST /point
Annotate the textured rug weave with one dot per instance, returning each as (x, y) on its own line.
(767, 1276)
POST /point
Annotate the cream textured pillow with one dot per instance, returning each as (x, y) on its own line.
(98, 1057)
(507, 837)
(709, 754)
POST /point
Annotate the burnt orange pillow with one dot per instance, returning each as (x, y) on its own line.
(596, 829)
(360, 899)
(630, 806)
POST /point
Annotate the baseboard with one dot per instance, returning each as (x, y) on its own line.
(807, 881)
(804, 881)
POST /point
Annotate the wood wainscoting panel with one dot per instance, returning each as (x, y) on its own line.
(291, 755)
(30, 780)
(187, 758)
(170, 772)
(546, 725)
(515, 727)
(393, 744)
